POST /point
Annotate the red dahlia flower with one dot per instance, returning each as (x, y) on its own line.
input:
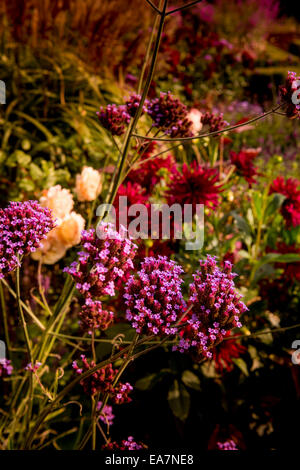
(243, 162)
(290, 209)
(195, 185)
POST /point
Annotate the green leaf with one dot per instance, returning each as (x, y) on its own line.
(179, 400)
(191, 380)
(22, 158)
(242, 224)
(258, 202)
(241, 364)
(145, 383)
(274, 204)
(35, 172)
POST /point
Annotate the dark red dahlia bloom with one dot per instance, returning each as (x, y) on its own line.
(290, 209)
(243, 162)
(195, 185)
(225, 352)
(289, 95)
(149, 172)
(135, 195)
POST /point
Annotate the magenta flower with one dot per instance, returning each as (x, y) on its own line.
(102, 381)
(92, 316)
(23, 225)
(170, 115)
(101, 262)
(227, 445)
(215, 122)
(126, 444)
(5, 367)
(215, 309)
(106, 415)
(153, 298)
(114, 118)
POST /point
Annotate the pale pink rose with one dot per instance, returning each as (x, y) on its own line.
(195, 117)
(69, 231)
(88, 184)
(59, 200)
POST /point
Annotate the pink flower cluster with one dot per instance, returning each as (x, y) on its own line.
(153, 298)
(126, 444)
(5, 367)
(114, 118)
(227, 445)
(215, 122)
(102, 262)
(170, 115)
(23, 225)
(215, 309)
(102, 381)
(106, 415)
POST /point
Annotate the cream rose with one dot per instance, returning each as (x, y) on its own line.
(59, 200)
(69, 231)
(88, 184)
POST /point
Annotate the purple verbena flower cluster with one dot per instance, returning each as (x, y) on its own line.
(215, 309)
(105, 258)
(215, 122)
(133, 103)
(228, 445)
(288, 92)
(153, 298)
(102, 381)
(23, 225)
(92, 316)
(5, 367)
(114, 118)
(170, 115)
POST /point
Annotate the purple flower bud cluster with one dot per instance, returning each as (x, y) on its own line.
(5, 367)
(215, 122)
(106, 415)
(228, 445)
(93, 317)
(287, 92)
(170, 115)
(153, 298)
(133, 103)
(114, 118)
(23, 225)
(102, 381)
(215, 309)
(126, 444)
(102, 262)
